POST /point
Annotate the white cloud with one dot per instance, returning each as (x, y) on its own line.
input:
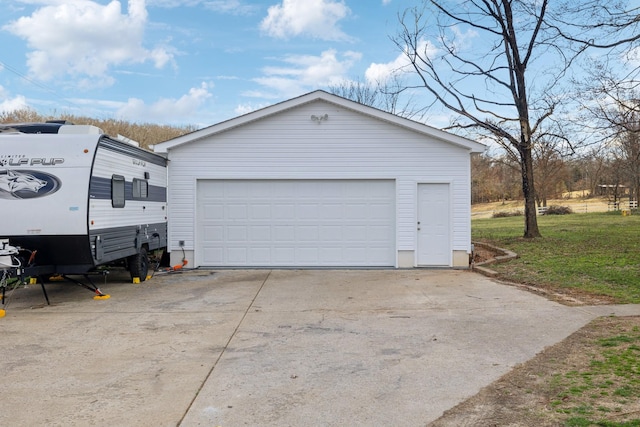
(233, 7)
(261, 94)
(242, 109)
(173, 3)
(8, 104)
(459, 41)
(314, 18)
(379, 73)
(85, 38)
(167, 109)
(306, 72)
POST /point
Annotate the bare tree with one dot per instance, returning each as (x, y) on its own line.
(610, 94)
(593, 166)
(612, 180)
(482, 179)
(549, 170)
(505, 86)
(506, 171)
(626, 147)
(390, 95)
(601, 24)
(611, 106)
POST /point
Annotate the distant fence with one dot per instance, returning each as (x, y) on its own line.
(624, 206)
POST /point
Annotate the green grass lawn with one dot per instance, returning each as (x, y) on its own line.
(597, 252)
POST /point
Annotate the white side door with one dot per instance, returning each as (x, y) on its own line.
(434, 225)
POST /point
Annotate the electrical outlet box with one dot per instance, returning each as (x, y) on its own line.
(181, 243)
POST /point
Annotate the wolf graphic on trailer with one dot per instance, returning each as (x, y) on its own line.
(76, 199)
(12, 183)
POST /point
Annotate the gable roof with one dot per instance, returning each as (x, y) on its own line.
(473, 146)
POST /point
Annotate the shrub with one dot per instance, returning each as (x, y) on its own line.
(558, 210)
(505, 214)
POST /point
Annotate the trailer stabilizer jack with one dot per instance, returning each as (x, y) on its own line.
(91, 286)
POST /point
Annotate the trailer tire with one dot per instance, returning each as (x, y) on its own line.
(139, 265)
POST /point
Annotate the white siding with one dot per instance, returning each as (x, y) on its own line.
(348, 145)
(103, 215)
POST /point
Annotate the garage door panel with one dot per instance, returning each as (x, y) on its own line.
(377, 254)
(353, 190)
(379, 210)
(260, 211)
(214, 210)
(284, 233)
(308, 211)
(331, 255)
(236, 234)
(237, 255)
(236, 211)
(296, 223)
(381, 233)
(307, 256)
(214, 193)
(213, 233)
(213, 253)
(262, 255)
(356, 255)
(331, 233)
(259, 190)
(356, 210)
(331, 210)
(307, 233)
(357, 233)
(235, 190)
(260, 233)
(283, 211)
(283, 255)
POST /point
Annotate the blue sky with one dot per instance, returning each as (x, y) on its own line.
(183, 62)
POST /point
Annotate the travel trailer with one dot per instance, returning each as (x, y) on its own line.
(73, 199)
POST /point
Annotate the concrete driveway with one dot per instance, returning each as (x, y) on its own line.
(269, 348)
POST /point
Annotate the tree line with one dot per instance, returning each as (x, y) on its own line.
(146, 134)
(597, 173)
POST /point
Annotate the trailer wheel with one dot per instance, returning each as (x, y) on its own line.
(139, 265)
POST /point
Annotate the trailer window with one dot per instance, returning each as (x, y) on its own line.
(117, 191)
(140, 188)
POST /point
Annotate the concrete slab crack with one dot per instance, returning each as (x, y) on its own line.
(224, 349)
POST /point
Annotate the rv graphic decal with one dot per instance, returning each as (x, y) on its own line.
(21, 160)
(27, 184)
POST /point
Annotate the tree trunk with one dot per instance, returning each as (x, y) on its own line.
(528, 190)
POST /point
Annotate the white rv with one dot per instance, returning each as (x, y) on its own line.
(78, 199)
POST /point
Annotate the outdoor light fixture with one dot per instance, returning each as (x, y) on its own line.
(319, 119)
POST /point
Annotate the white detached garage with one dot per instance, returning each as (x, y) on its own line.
(319, 181)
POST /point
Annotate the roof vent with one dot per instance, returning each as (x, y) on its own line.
(59, 122)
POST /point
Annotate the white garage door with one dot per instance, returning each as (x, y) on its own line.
(304, 223)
